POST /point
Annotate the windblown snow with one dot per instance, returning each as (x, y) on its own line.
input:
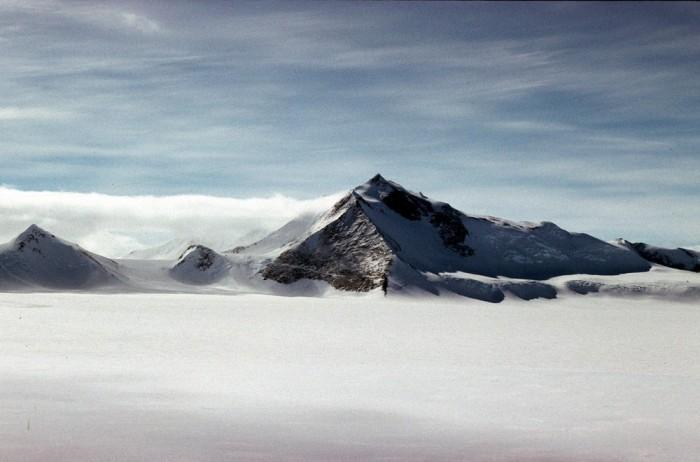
(212, 378)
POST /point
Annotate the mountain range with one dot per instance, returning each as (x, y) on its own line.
(379, 237)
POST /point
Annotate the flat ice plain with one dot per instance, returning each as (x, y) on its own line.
(177, 377)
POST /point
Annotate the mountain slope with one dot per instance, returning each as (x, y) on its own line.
(170, 250)
(174, 248)
(349, 252)
(276, 242)
(380, 225)
(38, 258)
(680, 258)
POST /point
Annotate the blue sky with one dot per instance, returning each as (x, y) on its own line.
(582, 114)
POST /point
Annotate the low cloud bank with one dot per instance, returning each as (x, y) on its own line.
(116, 225)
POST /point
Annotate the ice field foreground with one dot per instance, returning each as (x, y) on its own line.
(186, 377)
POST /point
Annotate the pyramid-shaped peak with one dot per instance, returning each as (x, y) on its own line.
(34, 232)
(34, 229)
(200, 265)
(32, 237)
(378, 178)
(378, 184)
(192, 248)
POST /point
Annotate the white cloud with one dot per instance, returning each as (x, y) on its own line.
(529, 126)
(109, 17)
(101, 15)
(31, 113)
(115, 225)
(139, 23)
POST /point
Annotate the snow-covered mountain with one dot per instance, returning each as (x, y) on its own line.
(200, 265)
(382, 235)
(37, 258)
(378, 236)
(680, 258)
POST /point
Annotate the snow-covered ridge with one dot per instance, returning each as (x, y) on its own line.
(378, 238)
(379, 224)
(171, 250)
(679, 258)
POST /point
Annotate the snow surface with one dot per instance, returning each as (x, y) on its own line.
(165, 377)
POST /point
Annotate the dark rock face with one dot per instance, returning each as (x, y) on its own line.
(582, 287)
(447, 220)
(349, 253)
(451, 229)
(682, 259)
(29, 239)
(380, 224)
(205, 257)
(530, 290)
(408, 206)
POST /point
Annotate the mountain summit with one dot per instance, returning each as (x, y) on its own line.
(38, 258)
(383, 235)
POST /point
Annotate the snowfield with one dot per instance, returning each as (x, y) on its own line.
(194, 377)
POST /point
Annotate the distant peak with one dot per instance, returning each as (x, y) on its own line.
(198, 248)
(35, 230)
(378, 178)
(31, 238)
(379, 183)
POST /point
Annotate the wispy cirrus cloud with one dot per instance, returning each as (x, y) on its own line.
(306, 98)
(32, 113)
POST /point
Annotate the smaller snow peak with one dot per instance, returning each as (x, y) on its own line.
(35, 230)
(199, 256)
(194, 248)
(30, 238)
(200, 265)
